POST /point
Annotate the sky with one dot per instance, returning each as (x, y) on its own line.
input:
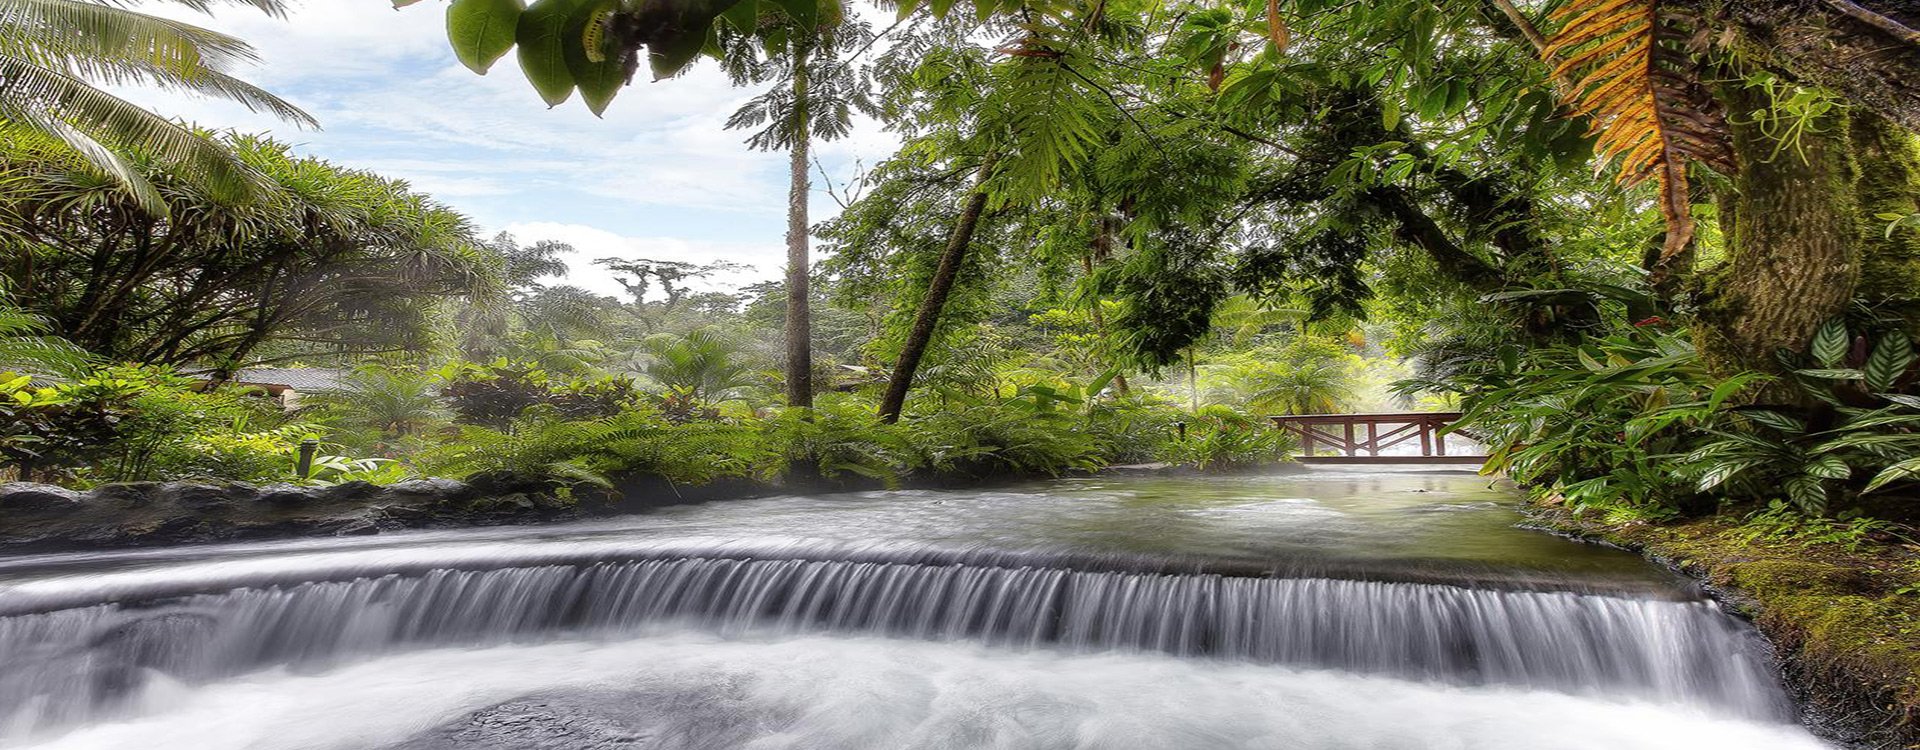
(659, 177)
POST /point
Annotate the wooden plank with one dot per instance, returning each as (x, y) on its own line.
(1399, 435)
(1389, 460)
(1440, 416)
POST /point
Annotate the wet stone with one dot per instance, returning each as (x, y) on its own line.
(286, 496)
(125, 495)
(596, 720)
(37, 498)
(206, 496)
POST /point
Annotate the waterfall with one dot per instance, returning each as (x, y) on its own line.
(67, 664)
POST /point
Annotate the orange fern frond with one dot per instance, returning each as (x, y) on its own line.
(1633, 76)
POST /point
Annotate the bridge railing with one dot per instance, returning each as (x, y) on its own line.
(1362, 437)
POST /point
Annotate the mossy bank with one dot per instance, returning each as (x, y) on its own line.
(1845, 621)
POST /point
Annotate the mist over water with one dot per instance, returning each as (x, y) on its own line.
(1329, 610)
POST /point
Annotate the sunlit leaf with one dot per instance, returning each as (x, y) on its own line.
(482, 31)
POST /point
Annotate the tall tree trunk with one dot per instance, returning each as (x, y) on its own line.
(1102, 247)
(927, 318)
(1792, 228)
(1193, 382)
(799, 319)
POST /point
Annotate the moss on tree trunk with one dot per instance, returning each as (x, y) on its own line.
(1889, 183)
(1792, 223)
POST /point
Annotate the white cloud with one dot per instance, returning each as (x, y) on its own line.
(659, 176)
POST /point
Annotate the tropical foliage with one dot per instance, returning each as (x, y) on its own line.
(56, 55)
(327, 259)
(1615, 232)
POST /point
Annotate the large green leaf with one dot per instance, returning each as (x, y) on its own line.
(744, 16)
(1838, 373)
(1829, 467)
(1830, 343)
(681, 34)
(482, 31)
(1775, 420)
(1902, 471)
(1807, 492)
(542, 35)
(1911, 402)
(1891, 357)
(1719, 473)
(598, 73)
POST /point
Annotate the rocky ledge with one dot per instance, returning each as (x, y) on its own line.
(47, 517)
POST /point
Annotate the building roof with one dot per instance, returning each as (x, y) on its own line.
(303, 379)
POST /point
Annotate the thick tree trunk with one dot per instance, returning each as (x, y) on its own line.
(1792, 228)
(927, 318)
(799, 331)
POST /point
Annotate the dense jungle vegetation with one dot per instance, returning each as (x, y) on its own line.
(1663, 254)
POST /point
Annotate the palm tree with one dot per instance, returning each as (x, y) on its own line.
(54, 54)
(1306, 388)
(815, 95)
(703, 365)
(396, 401)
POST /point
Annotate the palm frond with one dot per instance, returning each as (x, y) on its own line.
(1639, 83)
(103, 159)
(26, 347)
(55, 53)
(120, 124)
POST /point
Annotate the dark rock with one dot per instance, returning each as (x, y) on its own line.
(206, 497)
(505, 504)
(125, 495)
(356, 527)
(428, 492)
(356, 492)
(28, 497)
(287, 496)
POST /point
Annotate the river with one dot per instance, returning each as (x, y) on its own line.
(1361, 609)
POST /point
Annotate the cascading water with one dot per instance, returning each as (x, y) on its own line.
(93, 655)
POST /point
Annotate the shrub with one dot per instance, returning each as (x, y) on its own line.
(1850, 429)
(1579, 420)
(1219, 437)
(841, 435)
(495, 394)
(1132, 430)
(131, 423)
(1633, 423)
(543, 448)
(1037, 431)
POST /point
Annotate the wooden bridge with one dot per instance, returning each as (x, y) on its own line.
(1360, 438)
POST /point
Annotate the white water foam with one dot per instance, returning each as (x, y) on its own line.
(880, 694)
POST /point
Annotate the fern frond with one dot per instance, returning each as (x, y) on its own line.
(1639, 84)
